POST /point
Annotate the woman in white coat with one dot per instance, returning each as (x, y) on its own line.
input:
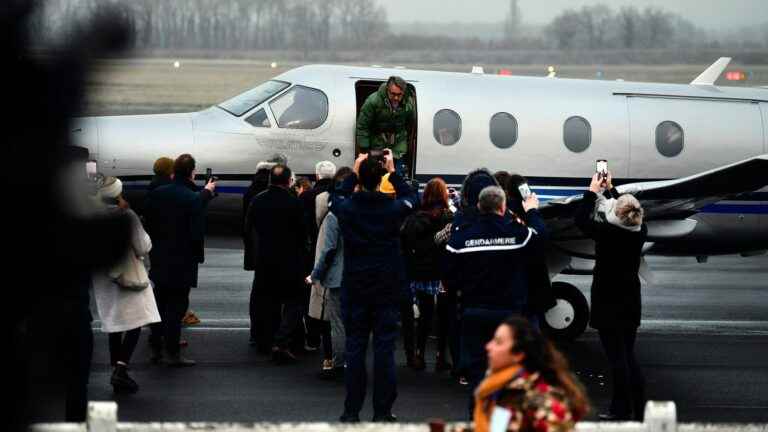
(123, 311)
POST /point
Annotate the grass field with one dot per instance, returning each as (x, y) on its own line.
(144, 86)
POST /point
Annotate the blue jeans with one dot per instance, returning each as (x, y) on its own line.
(359, 321)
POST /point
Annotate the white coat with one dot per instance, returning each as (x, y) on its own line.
(122, 309)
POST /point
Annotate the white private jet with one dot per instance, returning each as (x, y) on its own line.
(695, 154)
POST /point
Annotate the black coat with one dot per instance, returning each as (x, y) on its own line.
(259, 184)
(615, 293)
(277, 242)
(175, 220)
(423, 257)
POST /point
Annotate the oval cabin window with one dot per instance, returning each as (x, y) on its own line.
(447, 127)
(669, 138)
(503, 130)
(577, 134)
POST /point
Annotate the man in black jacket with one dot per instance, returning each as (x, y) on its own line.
(373, 281)
(487, 263)
(175, 216)
(277, 247)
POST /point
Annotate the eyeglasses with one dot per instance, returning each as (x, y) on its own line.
(394, 95)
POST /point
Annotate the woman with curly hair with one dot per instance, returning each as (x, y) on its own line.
(528, 385)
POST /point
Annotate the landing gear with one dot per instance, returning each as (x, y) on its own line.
(569, 318)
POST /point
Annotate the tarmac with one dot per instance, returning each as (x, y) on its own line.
(702, 344)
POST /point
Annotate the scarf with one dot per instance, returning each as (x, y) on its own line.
(484, 403)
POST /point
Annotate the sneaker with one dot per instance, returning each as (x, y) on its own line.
(310, 348)
(385, 418)
(327, 364)
(190, 319)
(463, 380)
(121, 381)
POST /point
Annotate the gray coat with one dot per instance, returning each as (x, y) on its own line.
(329, 261)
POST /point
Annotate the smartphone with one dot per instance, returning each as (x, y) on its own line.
(602, 168)
(91, 168)
(209, 175)
(525, 191)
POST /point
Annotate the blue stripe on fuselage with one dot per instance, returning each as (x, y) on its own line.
(750, 203)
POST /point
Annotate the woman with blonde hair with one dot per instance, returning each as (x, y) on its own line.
(528, 386)
(616, 225)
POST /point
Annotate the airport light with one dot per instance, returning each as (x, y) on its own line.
(551, 72)
(736, 75)
(506, 72)
(273, 65)
(176, 64)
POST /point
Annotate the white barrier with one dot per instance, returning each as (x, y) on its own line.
(102, 417)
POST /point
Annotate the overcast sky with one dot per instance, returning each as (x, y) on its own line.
(710, 14)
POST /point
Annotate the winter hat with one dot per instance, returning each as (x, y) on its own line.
(111, 188)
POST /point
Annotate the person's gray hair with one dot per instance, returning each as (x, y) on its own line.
(629, 211)
(325, 169)
(278, 159)
(399, 82)
(491, 200)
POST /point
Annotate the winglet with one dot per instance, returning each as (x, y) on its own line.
(709, 76)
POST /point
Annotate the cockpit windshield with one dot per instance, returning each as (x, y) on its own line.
(244, 102)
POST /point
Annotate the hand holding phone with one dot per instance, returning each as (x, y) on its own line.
(525, 191)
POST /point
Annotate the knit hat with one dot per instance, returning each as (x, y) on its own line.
(385, 186)
(111, 188)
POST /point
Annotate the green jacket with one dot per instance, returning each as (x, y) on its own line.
(379, 126)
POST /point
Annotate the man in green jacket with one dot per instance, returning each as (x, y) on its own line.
(386, 119)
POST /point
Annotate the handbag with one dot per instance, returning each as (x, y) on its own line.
(130, 273)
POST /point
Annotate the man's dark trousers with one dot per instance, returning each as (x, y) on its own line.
(172, 303)
(265, 316)
(478, 325)
(360, 319)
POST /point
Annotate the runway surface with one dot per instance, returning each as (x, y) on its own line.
(703, 344)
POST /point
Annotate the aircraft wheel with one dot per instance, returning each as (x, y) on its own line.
(568, 319)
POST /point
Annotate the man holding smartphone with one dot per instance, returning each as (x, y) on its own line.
(373, 280)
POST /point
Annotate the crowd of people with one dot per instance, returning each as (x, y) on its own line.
(361, 252)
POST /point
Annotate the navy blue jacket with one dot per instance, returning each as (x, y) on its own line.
(374, 269)
(175, 220)
(487, 260)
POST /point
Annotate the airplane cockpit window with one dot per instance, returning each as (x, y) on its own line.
(300, 108)
(503, 130)
(259, 119)
(577, 134)
(245, 102)
(447, 127)
(669, 138)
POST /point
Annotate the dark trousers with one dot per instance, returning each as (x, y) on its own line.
(445, 309)
(408, 321)
(172, 302)
(122, 345)
(290, 322)
(628, 382)
(265, 312)
(477, 328)
(360, 319)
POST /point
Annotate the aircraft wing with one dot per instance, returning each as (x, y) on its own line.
(668, 203)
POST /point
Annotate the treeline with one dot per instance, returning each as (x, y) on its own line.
(312, 26)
